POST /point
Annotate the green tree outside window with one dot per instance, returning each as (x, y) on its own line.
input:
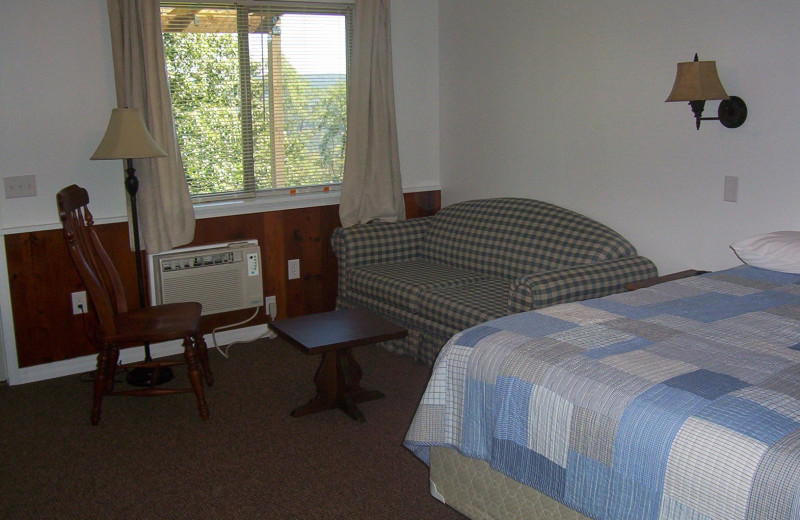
(246, 118)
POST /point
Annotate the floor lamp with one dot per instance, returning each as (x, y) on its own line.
(127, 138)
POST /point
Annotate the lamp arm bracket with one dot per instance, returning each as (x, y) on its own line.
(732, 112)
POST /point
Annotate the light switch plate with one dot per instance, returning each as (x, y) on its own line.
(731, 190)
(20, 186)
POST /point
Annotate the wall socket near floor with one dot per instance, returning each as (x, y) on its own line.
(271, 306)
(294, 269)
(79, 305)
(731, 190)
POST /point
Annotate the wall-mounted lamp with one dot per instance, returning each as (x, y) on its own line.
(698, 82)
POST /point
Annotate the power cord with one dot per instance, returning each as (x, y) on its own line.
(89, 377)
(266, 334)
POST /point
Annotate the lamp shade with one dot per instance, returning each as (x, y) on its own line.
(127, 138)
(697, 80)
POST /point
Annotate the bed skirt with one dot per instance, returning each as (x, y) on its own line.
(473, 488)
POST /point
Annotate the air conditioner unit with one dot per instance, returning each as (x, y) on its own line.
(222, 277)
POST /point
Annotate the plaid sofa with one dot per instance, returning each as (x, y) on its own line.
(475, 261)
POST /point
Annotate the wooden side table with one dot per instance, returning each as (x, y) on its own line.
(334, 334)
(632, 286)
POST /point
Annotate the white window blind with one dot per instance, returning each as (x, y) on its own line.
(259, 93)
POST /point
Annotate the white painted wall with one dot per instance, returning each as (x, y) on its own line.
(57, 92)
(564, 102)
(415, 43)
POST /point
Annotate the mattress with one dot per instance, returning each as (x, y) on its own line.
(473, 488)
(677, 401)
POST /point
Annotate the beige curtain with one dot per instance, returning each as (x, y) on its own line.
(166, 215)
(372, 187)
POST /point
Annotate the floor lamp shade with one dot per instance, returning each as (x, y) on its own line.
(127, 138)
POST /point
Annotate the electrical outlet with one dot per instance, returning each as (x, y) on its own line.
(79, 304)
(294, 269)
(271, 306)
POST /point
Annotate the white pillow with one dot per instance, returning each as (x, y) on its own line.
(778, 251)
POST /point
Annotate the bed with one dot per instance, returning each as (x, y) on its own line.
(678, 401)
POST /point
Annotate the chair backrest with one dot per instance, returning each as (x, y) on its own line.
(99, 276)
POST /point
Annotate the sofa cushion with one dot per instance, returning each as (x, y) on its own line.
(402, 283)
(465, 306)
(510, 237)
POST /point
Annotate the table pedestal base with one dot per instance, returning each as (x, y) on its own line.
(337, 380)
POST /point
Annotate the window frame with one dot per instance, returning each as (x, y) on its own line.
(325, 193)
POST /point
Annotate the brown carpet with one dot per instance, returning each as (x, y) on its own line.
(153, 458)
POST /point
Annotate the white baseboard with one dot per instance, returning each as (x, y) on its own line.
(129, 355)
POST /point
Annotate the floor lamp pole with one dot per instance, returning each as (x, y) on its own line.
(141, 376)
(132, 187)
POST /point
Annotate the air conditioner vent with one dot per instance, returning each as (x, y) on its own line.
(221, 277)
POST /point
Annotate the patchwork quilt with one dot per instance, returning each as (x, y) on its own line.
(679, 401)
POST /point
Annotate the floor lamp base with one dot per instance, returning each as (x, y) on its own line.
(149, 376)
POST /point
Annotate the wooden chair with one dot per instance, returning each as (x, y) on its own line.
(118, 326)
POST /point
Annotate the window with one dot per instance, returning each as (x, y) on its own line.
(259, 94)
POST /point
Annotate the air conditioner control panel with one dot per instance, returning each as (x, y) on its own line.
(252, 264)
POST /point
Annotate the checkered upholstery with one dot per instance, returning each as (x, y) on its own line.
(377, 243)
(475, 261)
(459, 308)
(576, 283)
(506, 238)
(403, 284)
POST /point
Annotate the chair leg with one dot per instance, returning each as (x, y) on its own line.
(111, 368)
(195, 376)
(103, 379)
(202, 353)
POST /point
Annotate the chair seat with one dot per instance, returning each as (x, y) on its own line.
(152, 324)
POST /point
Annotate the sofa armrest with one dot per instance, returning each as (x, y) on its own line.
(580, 282)
(377, 243)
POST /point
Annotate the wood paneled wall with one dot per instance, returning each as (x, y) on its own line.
(42, 276)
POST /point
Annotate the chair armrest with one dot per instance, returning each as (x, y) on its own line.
(576, 283)
(377, 243)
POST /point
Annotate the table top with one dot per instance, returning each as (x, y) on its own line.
(343, 328)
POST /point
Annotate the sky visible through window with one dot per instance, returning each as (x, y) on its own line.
(324, 53)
